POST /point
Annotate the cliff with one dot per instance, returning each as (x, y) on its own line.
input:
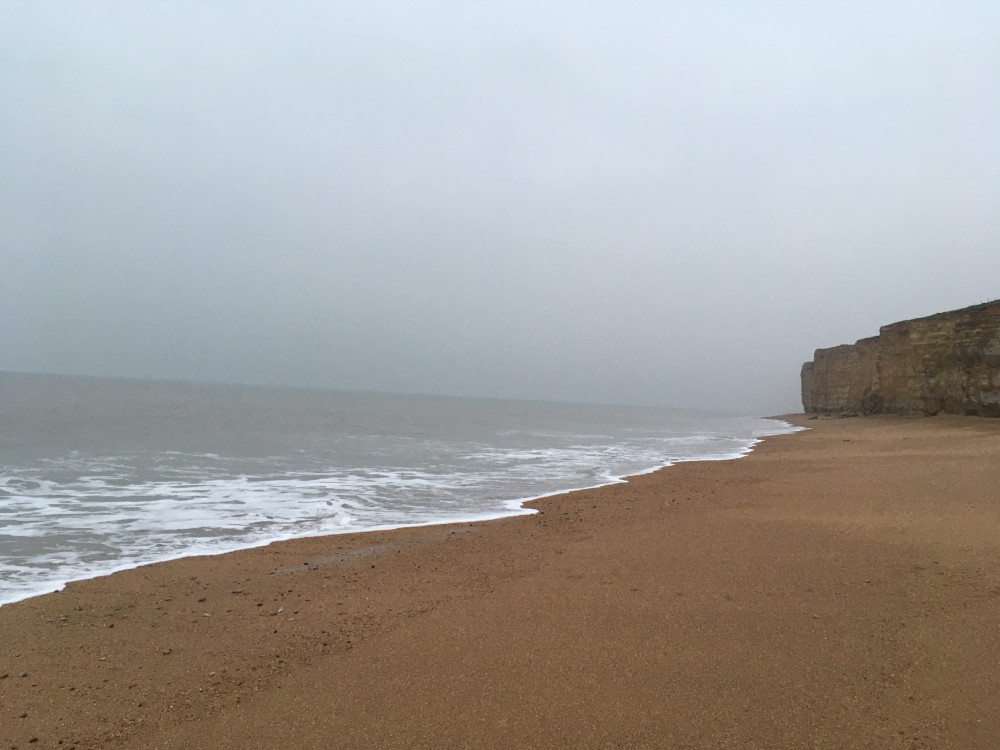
(949, 362)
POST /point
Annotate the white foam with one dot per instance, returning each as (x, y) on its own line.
(104, 520)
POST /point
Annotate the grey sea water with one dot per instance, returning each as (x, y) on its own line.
(97, 475)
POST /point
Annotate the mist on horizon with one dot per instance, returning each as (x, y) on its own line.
(640, 203)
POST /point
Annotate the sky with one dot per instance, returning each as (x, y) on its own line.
(658, 203)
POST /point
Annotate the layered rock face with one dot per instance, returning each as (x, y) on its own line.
(948, 362)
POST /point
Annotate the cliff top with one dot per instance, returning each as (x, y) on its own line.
(949, 313)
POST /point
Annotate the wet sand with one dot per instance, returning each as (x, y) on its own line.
(838, 588)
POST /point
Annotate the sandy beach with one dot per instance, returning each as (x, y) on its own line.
(838, 588)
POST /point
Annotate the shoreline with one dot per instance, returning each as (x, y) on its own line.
(513, 508)
(837, 587)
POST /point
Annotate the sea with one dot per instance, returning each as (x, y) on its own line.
(100, 474)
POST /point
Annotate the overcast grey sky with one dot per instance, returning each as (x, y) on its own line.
(643, 202)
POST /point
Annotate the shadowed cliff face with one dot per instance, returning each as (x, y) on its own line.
(948, 362)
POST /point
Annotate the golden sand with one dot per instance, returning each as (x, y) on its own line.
(838, 588)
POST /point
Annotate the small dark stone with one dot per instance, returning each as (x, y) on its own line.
(24, 675)
(203, 599)
(24, 716)
(111, 625)
(260, 604)
(71, 689)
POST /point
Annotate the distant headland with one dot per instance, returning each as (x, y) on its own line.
(944, 363)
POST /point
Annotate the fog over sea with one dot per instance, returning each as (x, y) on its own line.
(97, 475)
